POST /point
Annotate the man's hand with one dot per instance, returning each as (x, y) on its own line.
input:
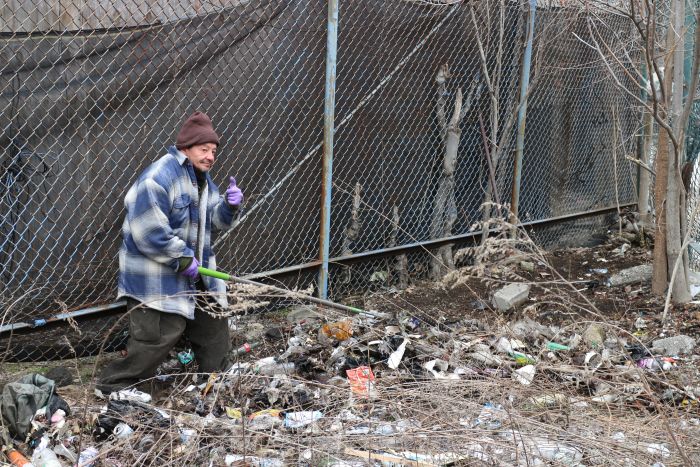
(191, 270)
(234, 195)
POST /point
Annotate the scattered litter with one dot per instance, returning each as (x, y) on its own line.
(88, 456)
(481, 353)
(252, 461)
(491, 417)
(593, 360)
(523, 359)
(508, 346)
(556, 347)
(21, 399)
(246, 348)
(186, 356)
(122, 430)
(550, 400)
(441, 366)
(557, 452)
(525, 375)
(62, 451)
(44, 456)
(397, 355)
(299, 419)
(658, 450)
(651, 363)
(266, 419)
(272, 369)
(640, 323)
(410, 387)
(618, 436)
(362, 381)
(340, 330)
(130, 395)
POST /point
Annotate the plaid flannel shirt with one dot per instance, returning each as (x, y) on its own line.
(162, 218)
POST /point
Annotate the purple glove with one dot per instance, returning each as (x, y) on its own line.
(191, 270)
(234, 195)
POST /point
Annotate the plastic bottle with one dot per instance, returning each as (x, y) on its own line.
(272, 369)
(651, 363)
(16, 458)
(246, 348)
(87, 457)
(558, 452)
(45, 458)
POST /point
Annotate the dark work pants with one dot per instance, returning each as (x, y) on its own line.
(153, 333)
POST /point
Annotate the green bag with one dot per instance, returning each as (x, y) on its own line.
(20, 401)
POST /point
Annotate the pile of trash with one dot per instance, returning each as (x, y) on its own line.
(388, 389)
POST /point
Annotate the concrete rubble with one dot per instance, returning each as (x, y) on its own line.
(511, 296)
(676, 345)
(633, 275)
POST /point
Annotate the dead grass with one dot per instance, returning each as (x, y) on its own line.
(470, 414)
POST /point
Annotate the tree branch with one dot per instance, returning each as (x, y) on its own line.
(641, 164)
(442, 76)
(654, 110)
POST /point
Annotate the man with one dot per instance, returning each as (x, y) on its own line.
(170, 213)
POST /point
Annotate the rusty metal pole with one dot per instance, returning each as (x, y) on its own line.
(522, 111)
(328, 130)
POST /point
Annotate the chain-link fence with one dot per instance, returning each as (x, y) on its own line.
(92, 92)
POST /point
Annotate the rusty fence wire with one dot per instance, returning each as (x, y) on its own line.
(92, 92)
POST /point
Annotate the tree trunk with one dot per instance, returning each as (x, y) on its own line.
(491, 188)
(352, 231)
(660, 268)
(444, 208)
(680, 292)
(675, 209)
(400, 266)
(660, 274)
(644, 175)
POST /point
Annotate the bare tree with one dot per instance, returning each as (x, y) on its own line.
(444, 208)
(444, 205)
(352, 231)
(497, 134)
(661, 54)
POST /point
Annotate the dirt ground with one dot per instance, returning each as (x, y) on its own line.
(582, 295)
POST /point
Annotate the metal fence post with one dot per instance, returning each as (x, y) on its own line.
(328, 130)
(522, 111)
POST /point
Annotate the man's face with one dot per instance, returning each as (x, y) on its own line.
(202, 156)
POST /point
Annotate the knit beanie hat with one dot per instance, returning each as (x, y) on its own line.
(197, 129)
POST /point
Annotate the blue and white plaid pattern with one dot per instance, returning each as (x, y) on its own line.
(162, 217)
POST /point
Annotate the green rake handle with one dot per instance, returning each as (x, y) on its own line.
(301, 296)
